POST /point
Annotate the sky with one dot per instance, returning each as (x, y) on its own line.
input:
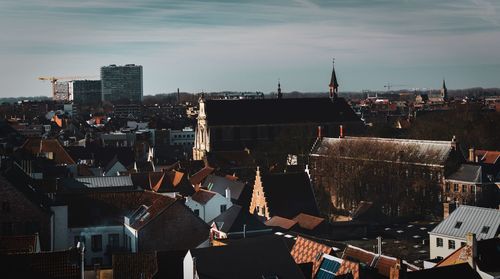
(241, 45)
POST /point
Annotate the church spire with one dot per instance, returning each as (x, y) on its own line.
(280, 95)
(334, 85)
(444, 91)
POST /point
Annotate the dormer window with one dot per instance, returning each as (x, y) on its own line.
(458, 225)
(485, 229)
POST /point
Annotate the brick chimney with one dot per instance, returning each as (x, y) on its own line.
(341, 131)
(472, 155)
(320, 134)
(398, 271)
(447, 209)
(472, 245)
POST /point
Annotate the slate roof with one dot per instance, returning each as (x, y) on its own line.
(37, 145)
(19, 244)
(220, 184)
(233, 220)
(250, 258)
(278, 111)
(45, 265)
(457, 271)
(468, 173)
(203, 196)
(386, 149)
(307, 221)
(289, 194)
(328, 267)
(473, 220)
(97, 182)
(305, 250)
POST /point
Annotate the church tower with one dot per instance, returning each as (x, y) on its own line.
(444, 91)
(280, 95)
(334, 85)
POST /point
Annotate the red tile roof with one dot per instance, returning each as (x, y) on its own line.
(307, 221)
(203, 196)
(488, 157)
(36, 146)
(198, 177)
(277, 221)
(307, 251)
(159, 205)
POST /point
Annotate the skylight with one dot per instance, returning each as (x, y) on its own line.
(485, 229)
(458, 225)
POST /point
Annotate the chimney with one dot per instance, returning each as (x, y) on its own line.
(228, 193)
(454, 143)
(472, 245)
(472, 156)
(320, 135)
(379, 245)
(341, 132)
(398, 271)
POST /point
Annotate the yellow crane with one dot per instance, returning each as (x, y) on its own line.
(53, 80)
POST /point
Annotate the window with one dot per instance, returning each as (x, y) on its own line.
(263, 210)
(97, 243)
(451, 244)
(79, 238)
(464, 188)
(439, 242)
(5, 206)
(447, 189)
(114, 240)
(257, 209)
(196, 212)
(458, 225)
(455, 187)
(485, 229)
(223, 207)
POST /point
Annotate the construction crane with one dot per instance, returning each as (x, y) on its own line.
(53, 80)
(390, 85)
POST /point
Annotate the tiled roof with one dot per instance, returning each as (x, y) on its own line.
(307, 221)
(37, 146)
(349, 267)
(385, 149)
(141, 217)
(277, 221)
(278, 111)
(468, 173)
(305, 250)
(60, 264)
(358, 254)
(471, 219)
(19, 244)
(220, 184)
(289, 194)
(135, 265)
(488, 157)
(203, 196)
(198, 177)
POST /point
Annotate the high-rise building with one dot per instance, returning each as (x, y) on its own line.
(85, 92)
(121, 83)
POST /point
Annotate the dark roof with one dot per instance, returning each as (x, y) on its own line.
(469, 173)
(19, 244)
(45, 265)
(233, 219)
(37, 145)
(489, 255)
(288, 194)
(247, 258)
(170, 264)
(135, 265)
(278, 111)
(203, 196)
(102, 155)
(456, 271)
(220, 184)
(199, 176)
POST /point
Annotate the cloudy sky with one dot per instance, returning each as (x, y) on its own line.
(247, 45)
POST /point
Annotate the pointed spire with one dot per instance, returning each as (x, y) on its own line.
(334, 85)
(444, 91)
(280, 95)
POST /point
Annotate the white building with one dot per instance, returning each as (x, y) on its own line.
(207, 204)
(451, 233)
(183, 137)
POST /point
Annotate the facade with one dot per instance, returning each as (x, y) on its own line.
(207, 204)
(61, 91)
(184, 137)
(265, 124)
(121, 83)
(403, 177)
(85, 92)
(452, 232)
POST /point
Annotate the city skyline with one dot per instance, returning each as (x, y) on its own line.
(227, 45)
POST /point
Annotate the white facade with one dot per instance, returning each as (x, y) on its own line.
(445, 247)
(213, 208)
(188, 267)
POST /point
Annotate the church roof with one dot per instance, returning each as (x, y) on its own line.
(278, 111)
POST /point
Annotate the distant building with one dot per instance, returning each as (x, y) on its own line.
(85, 92)
(122, 83)
(184, 137)
(61, 91)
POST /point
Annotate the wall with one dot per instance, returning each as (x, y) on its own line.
(60, 227)
(442, 251)
(212, 208)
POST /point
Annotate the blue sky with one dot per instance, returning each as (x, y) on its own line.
(248, 45)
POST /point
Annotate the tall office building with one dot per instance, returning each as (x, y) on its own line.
(121, 83)
(85, 92)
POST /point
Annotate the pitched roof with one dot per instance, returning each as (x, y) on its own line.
(203, 196)
(328, 267)
(488, 156)
(468, 173)
(385, 149)
(220, 184)
(102, 155)
(198, 177)
(305, 250)
(146, 213)
(289, 194)
(254, 257)
(173, 181)
(233, 220)
(19, 244)
(452, 271)
(307, 221)
(284, 223)
(59, 264)
(471, 219)
(278, 111)
(135, 265)
(97, 182)
(37, 146)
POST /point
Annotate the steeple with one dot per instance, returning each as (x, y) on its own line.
(334, 85)
(444, 91)
(280, 95)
